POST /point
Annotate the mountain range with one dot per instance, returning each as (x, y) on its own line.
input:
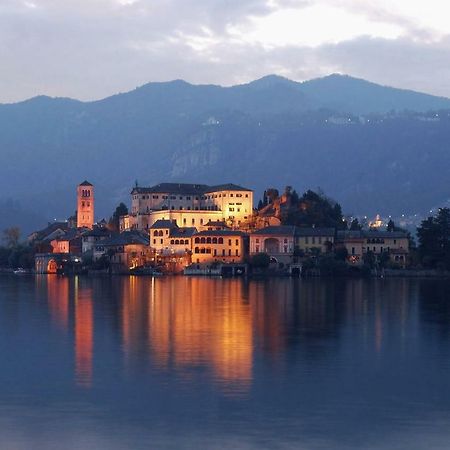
(370, 147)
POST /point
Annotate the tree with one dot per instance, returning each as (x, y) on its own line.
(355, 225)
(11, 236)
(434, 240)
(114, 221)
(391, 225)
(260, 260)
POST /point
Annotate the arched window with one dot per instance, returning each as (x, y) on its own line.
(186, 242)
(208, 250)
(220, 240)
(208, 240)
(214, 241)
(202, 250)
(156, 233)
(177, 242)
(161, 233)
(172, 242)
(197, 250)
(203, 240)
(197, 240)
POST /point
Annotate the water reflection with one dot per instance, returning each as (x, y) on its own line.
(84, 335)
(323, 363)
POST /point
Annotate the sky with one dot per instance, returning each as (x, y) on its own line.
(90, 49)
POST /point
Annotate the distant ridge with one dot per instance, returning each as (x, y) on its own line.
(373, 148)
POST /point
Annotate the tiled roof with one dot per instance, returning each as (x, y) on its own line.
(85, 183)
(186, 188)
(126, 238)
(371, 234)
(299, 231)
(220, 233)
(182, 232)
(281, 230)
(161, 223)
(227, 187)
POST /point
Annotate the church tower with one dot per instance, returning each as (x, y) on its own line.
(85, 205)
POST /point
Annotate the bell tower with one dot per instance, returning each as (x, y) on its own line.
(85, 205)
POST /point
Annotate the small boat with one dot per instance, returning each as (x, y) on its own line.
(146, 271)
(20, 271)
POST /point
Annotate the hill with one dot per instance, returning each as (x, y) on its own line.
(373, 148)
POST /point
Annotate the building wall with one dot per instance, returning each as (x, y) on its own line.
(307, 243)
(232, 206)
(210, 249)
(85, 206)
(280, 247)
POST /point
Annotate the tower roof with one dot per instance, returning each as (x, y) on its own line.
(85, 183)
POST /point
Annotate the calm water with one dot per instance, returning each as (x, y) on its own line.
(137, 363)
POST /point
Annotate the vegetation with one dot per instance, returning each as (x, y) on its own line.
(434, 240)
(13, 254)
(260, 261)
(114, 221)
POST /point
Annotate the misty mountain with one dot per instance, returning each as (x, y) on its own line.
(372, 148)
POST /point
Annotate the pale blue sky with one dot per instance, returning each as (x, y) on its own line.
(89, 49)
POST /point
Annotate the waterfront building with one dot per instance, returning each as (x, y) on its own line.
(314, 240)
(214, 246)
(167, 238)
(277, 241)
(126, 250)
(394, 244)
(190, 205)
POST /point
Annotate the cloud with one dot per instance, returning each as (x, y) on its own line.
(93, 48)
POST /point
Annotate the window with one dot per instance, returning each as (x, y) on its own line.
(172, 242)
(156, 197)
(221, 241)
(197, 240)
(214, 241)
(229, 252)
(193, 221)
(306, 240)
(237, 252)
(184, 221)
(177, 242)
(353, 250)
(285, 249)
(197, 250)
(237, 242)
(181, 198)
(172, 197)
(223, 252)
(208, 240)
(285, 241)
(257, 249)
(203, 240)
(161, 241)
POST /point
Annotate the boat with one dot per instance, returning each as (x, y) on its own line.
(20, 271)
(146, 271)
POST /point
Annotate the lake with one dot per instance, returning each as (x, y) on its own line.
(198, 363)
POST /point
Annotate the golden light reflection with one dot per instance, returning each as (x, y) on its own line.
(203, 323)
(84, 336)
(58, 301)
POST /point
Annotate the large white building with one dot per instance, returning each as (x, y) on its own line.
(190, 205)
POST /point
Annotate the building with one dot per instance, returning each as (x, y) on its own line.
(314, 240)
(277, 241)
(85, 205)
(393, 244)
(214, 246)
(126, 251)
(190, 205)
(91, 239)
(167, 238)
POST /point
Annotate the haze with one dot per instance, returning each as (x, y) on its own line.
(89, 49)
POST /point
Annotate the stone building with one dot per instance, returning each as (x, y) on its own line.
(85, 205)
(219, 246)
(190, 205)
(394, 244)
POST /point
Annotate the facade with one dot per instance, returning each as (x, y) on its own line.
(394, 244)
(85, 205)
(277, 241)
(189, 204)
(92, 239)
(167, 238)
(219, 246)
(127, 250)
(314, 240)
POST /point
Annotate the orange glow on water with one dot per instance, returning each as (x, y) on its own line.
(84, 337)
